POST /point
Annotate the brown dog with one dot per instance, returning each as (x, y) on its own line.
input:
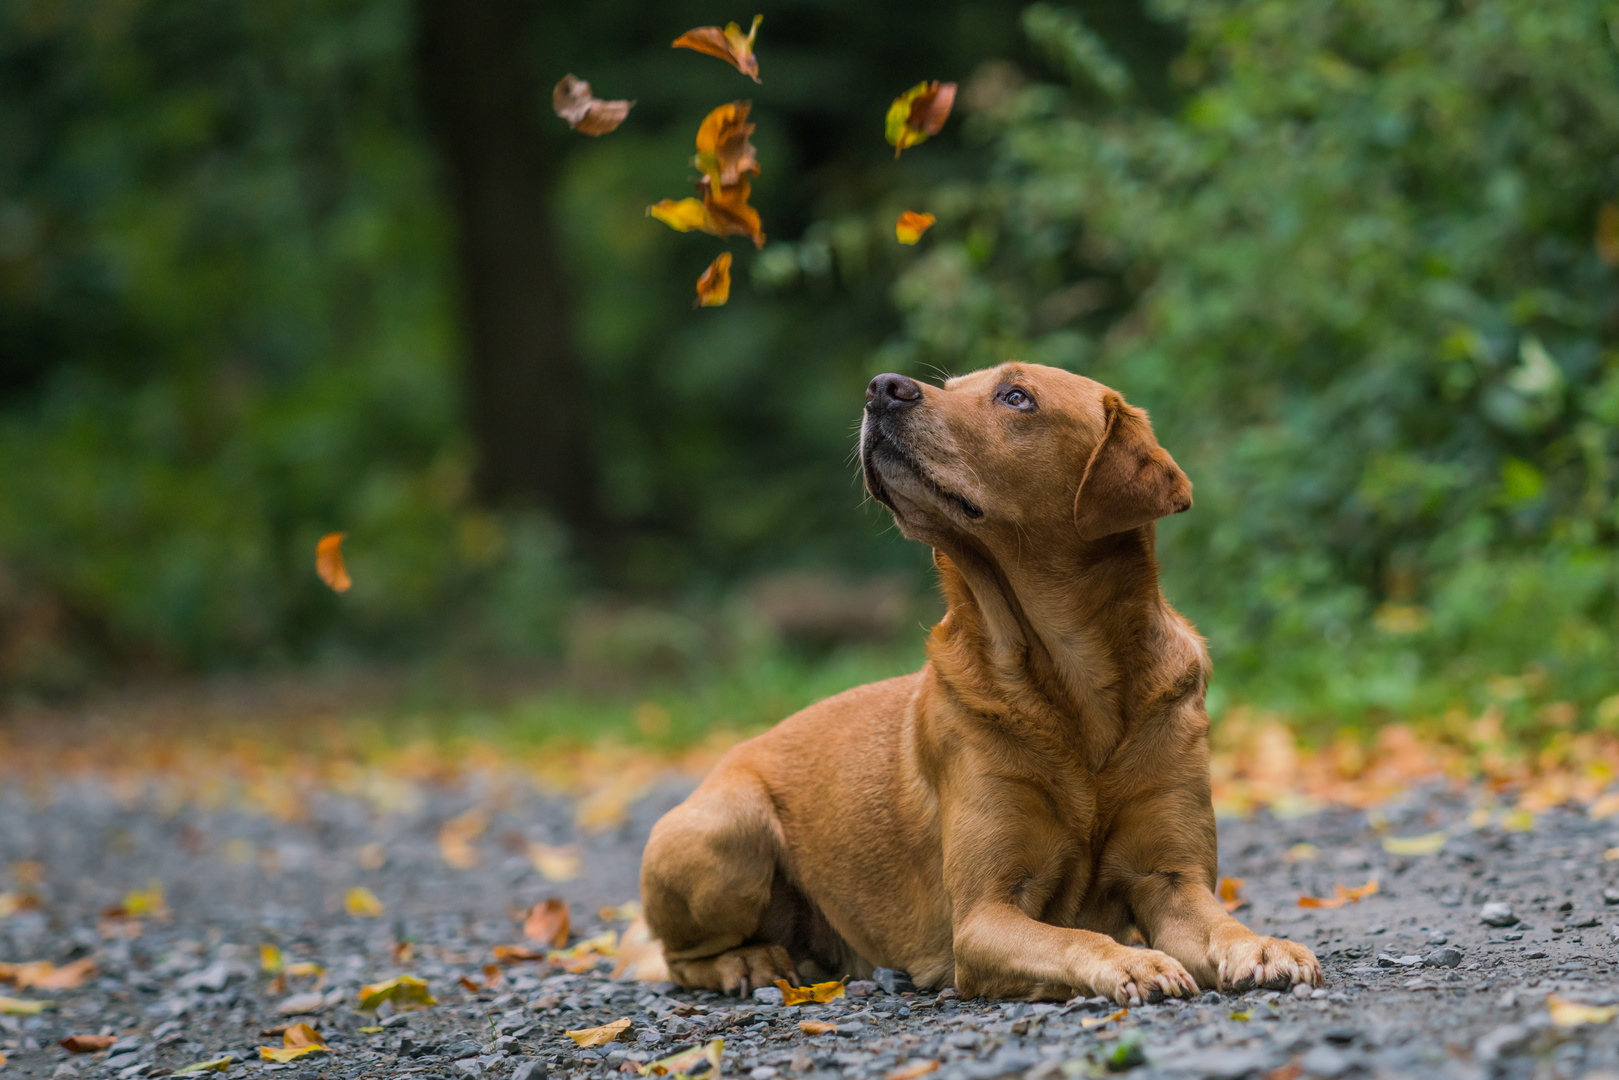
(1001, 819)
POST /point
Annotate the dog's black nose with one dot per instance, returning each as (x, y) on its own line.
(890, 391)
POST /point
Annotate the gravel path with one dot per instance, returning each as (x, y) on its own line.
(1418, 985)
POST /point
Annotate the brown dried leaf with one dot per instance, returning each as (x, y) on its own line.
(918, 113)
(584, 112)
(87, 1044)
(728, 44)
(329, 562)
(714, 287)
(724, 153)
(548, 923)
(600, 1036)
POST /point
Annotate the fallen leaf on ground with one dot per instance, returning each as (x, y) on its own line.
(555, 863)
(1343, 896)
(299, 1004)
(1230, 893)
(362, 903)
(1301, 852)
(304, 969)
(582, 956)
(918, 113)
(547, 922)
(13, 902)
(1518, 821)
(913, 1070)
(516, 954)
(1242, 1015)
(19, 1007)
(1098, 1021)
(640, 955)
(724, 153)
(816, 1027)
(492, 977)
(911, 225)
(87, 1044)
(299, 1039)
(714, 287)
(1567, 1014)
(681, 1064)
(1292, 1070)
(818, 994)
(271, 960)
(600, 1036)
(455, 838)
(728, 44)
(403, 952)
(584, 112)
(329, 562)
(628, 911)
(1426, 844)
(216, 1065)
(403, 990)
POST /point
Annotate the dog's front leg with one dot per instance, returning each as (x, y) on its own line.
(1178, 913)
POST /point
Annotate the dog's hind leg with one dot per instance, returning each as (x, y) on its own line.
(707, 884)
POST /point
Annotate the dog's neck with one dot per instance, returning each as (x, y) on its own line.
(1069, 645)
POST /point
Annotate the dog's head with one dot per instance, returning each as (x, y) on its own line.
(1019, 458)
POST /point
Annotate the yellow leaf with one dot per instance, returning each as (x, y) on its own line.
(603, 944)
(1518, 821)
(1344, 896)
(305, 969)
(1098, 1021)
(271, 960)
(911, 225)
(682, 1063)
(404, 991)
(1568, 1014)
(1243, 1015)
(1426, 844)
(816, 1027)
(628, 911)
(818, 994)
(1301, 853)
(572, 100)
(913, 1070)
(714, 286)
(600, 1036)
(371, 1030)
(216, 1065)
(362, 903)
(729, 44)
(148, 902)
(329, 562)
(289, 1053)
(19, 1007)
(555, 863)
(918, 113)
(682, 216)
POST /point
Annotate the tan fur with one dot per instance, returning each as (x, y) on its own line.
(1002, 819)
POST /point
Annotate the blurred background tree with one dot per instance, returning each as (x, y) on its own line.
(269, 273)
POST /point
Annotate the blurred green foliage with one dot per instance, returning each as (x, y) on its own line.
(1351, 256)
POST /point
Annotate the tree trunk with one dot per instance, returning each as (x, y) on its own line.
(523, 381)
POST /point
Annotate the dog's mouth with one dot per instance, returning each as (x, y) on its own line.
(881, 448)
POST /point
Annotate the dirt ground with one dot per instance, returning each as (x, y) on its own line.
(1418, 985)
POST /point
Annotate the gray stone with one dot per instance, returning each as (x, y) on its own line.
(1388, 960)
(1504, 1040)
(532, 1069)
(1448, 957)
(1497, 913)
(861, 988)
(769, 995)
(894, 982)
(1437, 937)
(1324, 1061)
(464, 1049)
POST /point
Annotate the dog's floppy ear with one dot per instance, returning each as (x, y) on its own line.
(1129, 479)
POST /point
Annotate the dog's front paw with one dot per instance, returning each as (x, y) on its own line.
(1136, 975)
(1253, 961)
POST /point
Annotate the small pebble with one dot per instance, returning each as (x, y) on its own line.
(1497, 913)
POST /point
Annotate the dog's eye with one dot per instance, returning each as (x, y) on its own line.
(1014, 398)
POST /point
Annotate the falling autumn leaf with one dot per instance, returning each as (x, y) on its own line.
(1230, 893)
(911, 225)
(555, 863)
(271, 960)
(918, 113)
(300, 1039)
(547, 922)
(728, 44)
(404, 991)
(216, 1065)
(714, 287)
(818, 994)
(816, 1027)
(681, 1064)
(584, 112)
(1607, 234)
(87, 1044)
(10, 1006)
(600, 1036)
(724, 153)
(1427, 844)
(329, 562)
(913, 1070)
(1343, 896)
(1098, 1021)
(1568, 1014)
(362, 903)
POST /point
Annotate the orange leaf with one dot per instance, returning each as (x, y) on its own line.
(816, 1027)
(87, 1044)
(918, 113)
(724, 153)
(46, 975)
(913, 1070)
(573, 101)
(818, 994)
(727, 213)
(516, 954)
(329, 562)
(299, 1039)
(911, 226)
(600, 1036)
(547, 922)
(1344, 896)
(728, 44)
(714, 287)
(1231, 893)
(1607, 234)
